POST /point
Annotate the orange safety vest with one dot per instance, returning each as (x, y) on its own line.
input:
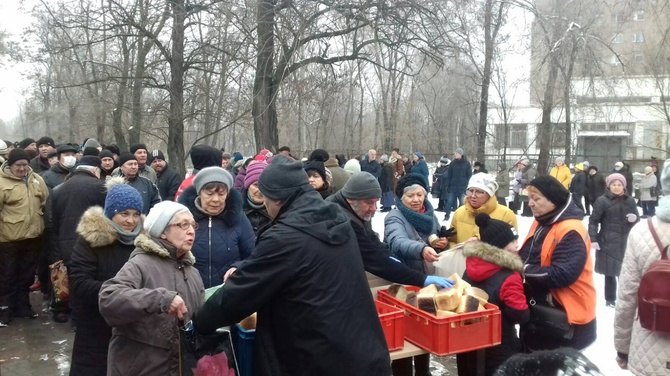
(578, 299)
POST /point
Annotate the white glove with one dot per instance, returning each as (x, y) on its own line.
(631, 217)
(595, 246)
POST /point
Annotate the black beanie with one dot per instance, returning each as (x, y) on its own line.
(319, 155)
(552, 189)
(46, 141)
(114, 149)
(495, 232)
(205, 156)
(90, 160)
(25, 142)
(91, 151)
(317, 166)
(125, 157)
(408, 180)
(136, 147)
(17, 155)
(282, 178)
(106, 153)
(562, 361)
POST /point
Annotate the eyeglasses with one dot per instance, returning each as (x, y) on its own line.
(474, 193)
(185, 225)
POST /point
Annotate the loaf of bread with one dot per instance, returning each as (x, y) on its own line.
(478, 293)
(426, 302)
(447, 299)
(459, 283)
(249, 323)
(468, 304)
(430, 289)
(398, 291)
(445, 313)
(411, 298)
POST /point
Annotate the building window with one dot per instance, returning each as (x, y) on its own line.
(638, 37)
(618, 38)
(638, 15)
(617, 18)
(516, 138)
(614, 60)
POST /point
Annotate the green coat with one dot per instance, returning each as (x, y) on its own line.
(21, 205)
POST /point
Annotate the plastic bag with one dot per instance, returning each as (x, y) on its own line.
(60, 282)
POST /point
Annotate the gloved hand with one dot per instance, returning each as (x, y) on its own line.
(446, 233)
(631, 217)
(595, 246)
(440, 281)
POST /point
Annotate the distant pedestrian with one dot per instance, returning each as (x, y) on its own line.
(456, 182)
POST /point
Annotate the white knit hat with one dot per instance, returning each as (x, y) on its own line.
(160, 215)
(485, 182)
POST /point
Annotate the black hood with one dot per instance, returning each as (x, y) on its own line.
(205, 156)
(230, 214)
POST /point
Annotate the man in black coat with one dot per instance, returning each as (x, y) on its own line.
(371, 165)
(595, 184)
(40, 164)
(66, 161)
(306, 280)
(168, 179)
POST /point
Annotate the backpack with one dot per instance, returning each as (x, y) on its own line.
(653, 296)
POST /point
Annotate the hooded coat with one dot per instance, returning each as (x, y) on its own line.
(306, 280)
(609, 227)
(98, 256)
(220, 240)
(497, 272)
(145, 338)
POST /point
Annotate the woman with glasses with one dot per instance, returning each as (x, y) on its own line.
(156, 289)
(224, 235)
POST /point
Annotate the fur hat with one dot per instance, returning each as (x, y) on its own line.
(16, 155)
(495, 232)
(120, 197)
(160, 215)
(552, 189)
(611, 178)
(281, 178)
(409, 180)
(485, 182)
(213, 174)
(319, 155)
(362, 186)
(253, 173)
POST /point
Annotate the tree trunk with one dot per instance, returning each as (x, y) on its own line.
(136, 101)
(120, 99)
(546, 127)
(176, 116)
(568, 107)
(264, 107)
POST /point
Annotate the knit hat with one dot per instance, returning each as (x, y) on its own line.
(90, 160)
(284, 148)
(552, 189)
(562, 361)
(266, 153)
(125, 157)
(618, 165)
(237, 156)
(352, 166)
(253, 173)
(17, 155)
(459, 151)
(384, 158)
(611, 178)
(317, 166)
(160, 215)
(90, 150)
(485, 182)
(26, 142)
(665, 178)
(495, 232)
(214, 174)
(559, 159)
(579, 167)
(122, 197)
(319, 155)
(362, 186)
(205, 156)
(46, 141)
(106, 154)
(3, 147)
(157, 154)
(478, 164)
(114, 149)
(444, 159)
(67, 148)
(226, 155)
(419, 155)
(92, 143)
(239, 163)
(282, 178)
(586, 164)
(408, 180)
(136, 147)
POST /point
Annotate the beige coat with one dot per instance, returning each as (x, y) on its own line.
(21, 205)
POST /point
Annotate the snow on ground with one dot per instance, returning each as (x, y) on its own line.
(601, 352)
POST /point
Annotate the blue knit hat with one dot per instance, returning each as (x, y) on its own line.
(122, 197)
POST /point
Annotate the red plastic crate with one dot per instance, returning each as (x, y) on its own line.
(393, 325)
(448, 335)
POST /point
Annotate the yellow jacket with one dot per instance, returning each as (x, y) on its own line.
(21, 205)
(562, 174)
(464, 219)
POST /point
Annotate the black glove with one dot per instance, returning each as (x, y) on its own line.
(446, 233)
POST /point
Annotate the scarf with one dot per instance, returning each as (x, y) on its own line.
(252, 204)
(422, 222)
(127, 238)
(171, 248)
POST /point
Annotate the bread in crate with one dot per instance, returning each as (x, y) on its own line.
(461, 298)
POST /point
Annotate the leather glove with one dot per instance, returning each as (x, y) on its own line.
(595, 246)
(631, 217)
(439, 281)
(446, 233)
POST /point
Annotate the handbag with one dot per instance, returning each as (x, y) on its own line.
(550, 321)
(60, 282)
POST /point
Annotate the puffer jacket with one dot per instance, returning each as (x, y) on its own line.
(648, 352)
(464, 219)
(145, 338)
(404, 240)
(609, 227)
(562, 174)
(648, 181)
(220, 240)
(21, 205)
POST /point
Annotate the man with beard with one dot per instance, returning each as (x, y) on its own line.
(168, 179)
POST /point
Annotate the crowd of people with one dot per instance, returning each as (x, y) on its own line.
(292, 241)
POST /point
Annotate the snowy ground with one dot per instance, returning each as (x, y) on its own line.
(601, 352)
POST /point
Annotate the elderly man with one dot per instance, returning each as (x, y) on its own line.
(141, 154)
(66, 162)
(306, 280)
(371, 165)
(168, 179)
(23, 195)
(129, 170)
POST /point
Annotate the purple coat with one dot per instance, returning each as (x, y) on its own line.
(239, 179)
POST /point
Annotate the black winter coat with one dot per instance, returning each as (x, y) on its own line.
(375, 253)
(437, 175)
(148, 192)
(72, 199)
(55, 176)
(98, 256)
(386, 178)
(595, 186)
(258, 217)
(609, 227)
(372, 167)
(40, 166)
(168, 183)
(306, 280)
(457, 177)
(578, 184)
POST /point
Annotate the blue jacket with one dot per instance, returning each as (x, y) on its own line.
(221, 240)
(421, 168)
(405, 242)
(457, 177)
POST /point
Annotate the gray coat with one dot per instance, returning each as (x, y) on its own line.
(145, 339)
(609, 227)
(503, 181)
(648, 181)
(404, 241)
(527, 175)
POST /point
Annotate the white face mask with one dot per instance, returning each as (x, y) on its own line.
(69, 161)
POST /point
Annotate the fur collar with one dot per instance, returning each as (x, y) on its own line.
(230, 215)
(96, 230)
(493, 255)
(148, 245)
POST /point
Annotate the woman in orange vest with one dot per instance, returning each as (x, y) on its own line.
(558, 269)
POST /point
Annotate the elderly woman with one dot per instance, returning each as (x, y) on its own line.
(648, 192)
(558, 269)
(224, 234)
(254, 209)
(152, 292)
(105, 242)
(523, 175)
(614, 215)
(407, 231)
